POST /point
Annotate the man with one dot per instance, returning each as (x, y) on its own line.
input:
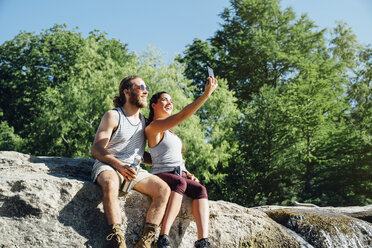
(119, 139)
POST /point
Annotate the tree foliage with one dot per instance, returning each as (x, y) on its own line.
(207, 136)
(301, 97)
(72, 91)
(289, 121)
(58, 84)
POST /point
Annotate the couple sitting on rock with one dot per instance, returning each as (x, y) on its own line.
(121, 136)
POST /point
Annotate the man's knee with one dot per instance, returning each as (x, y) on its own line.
(109, 183)
(164, 191)
(154, 187)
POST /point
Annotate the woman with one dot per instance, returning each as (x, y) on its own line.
(167, 162)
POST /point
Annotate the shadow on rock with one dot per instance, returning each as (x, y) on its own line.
(83, 214)
(181, 223)
(135, 206)
(72, 168)
(15, 207)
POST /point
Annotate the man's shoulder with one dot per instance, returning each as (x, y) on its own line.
(114, 110)
(111, 116)
(112, 113)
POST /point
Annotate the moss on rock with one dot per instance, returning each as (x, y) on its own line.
(321, 228)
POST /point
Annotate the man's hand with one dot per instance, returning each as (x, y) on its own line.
(127, 172)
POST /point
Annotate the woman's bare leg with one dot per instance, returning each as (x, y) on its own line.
(173, 208)
(200, 210)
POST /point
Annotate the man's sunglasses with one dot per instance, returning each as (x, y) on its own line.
(143, 87)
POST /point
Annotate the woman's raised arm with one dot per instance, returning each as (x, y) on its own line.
(161, 125)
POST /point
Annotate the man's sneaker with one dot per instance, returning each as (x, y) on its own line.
(202, 243)
(117, 236)
(148, 236)
(163, 241)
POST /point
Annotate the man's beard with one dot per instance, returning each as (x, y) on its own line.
(136, 100)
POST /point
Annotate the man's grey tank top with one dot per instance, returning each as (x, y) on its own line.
(167, 155)
(128, 140)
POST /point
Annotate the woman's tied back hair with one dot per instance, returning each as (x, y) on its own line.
(126, 83)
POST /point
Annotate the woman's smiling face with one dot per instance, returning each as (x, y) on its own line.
(164, 104)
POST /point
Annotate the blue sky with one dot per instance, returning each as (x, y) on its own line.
(167, 25)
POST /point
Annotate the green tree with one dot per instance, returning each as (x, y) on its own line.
(59, 84)
(72, 110)
(360, 98)
(9, 141)
(29, 64)
(257, 44)
(290, 83)
(68, 110)
(315, 103)
(196, 58)
(264, 170)
(345, 165)
(207, 134)
(360, 94)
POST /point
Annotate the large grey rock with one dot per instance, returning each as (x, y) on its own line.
(50, 202)
(360, 212)
(325, 226)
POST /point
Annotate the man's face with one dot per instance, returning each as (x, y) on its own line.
(138, 93)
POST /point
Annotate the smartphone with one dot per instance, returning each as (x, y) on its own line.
(210, 72)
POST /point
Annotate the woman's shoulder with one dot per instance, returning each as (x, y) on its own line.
(150, 132)
(151, 124)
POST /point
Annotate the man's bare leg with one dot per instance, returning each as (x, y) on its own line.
(109, 182)
(159, 192)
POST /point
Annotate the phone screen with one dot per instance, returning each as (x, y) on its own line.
(210, 72)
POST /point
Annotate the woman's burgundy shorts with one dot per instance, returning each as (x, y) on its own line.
(183, 185)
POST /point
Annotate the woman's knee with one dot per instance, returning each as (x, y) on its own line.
(200, 192)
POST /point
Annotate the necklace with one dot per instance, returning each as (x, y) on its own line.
(128, 118)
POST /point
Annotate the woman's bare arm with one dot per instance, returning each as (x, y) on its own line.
(158, 126)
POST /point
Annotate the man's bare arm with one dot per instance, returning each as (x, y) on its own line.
(105, 129)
